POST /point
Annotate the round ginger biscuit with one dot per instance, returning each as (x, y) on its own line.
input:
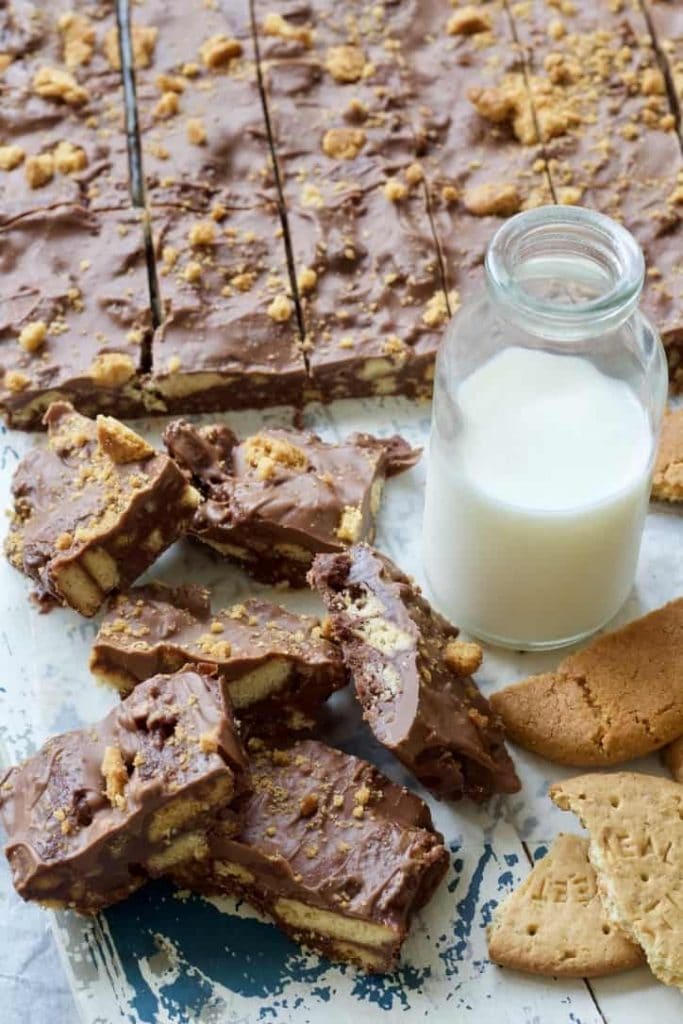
(620, 697)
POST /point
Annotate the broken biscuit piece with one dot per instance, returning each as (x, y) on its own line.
(96, 812)
(275, 664)
(273, 500)
(555, 923)
(340, 857)
(93, 509)
(410, 677)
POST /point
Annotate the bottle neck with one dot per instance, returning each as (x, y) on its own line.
(564, 272)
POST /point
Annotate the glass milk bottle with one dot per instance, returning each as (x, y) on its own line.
(549, 392)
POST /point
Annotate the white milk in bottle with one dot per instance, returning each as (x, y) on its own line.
(534, 510)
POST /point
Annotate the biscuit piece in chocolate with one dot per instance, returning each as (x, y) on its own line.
(96, 812)
(276, 498)
(93, 509)
(229, 336)
(276, 664)
(340, 857)
(413, 677)
(74, 315)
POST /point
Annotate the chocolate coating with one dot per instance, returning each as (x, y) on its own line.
(229, 337)
(97, 811)
(274, 499)
(375, 315)
(326, 835)
(611, 139)
(423, 709)
(93, 509)
(275, 664)
(83, 276)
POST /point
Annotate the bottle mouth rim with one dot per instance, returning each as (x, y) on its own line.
(563, 231)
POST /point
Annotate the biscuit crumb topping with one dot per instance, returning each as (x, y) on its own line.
(275, 25)
(115, 775)
(462, 657)
(265, 453)
(32, 335)
(143, 40)
(343, 143)
(120, 443)
(78, 38)
(345, 63)
(10, 157)
(469, 21)
(307, 279)
(350, 525)
(219, 51)
(55, 84)
(39, 170)
(196, 132)
(280, 309)
(203, 232)
(111, 369)
(492, 200)
(436, 311)
(395, 190)
(69, 159)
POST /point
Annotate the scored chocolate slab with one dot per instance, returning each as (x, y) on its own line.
(75, 311)
(61, 105)
(482, 161)
(229, 336)
(276, 665)
(274, 499)
(610, 136)
(340, 857)
(412, 677)
(371, 290)
(190, 72)
(97, 811)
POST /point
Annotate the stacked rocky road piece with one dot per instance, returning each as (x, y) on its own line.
(320, 180)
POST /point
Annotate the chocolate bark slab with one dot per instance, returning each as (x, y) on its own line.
(189, 73)
(273, 500)
(50, 155)
(275, 664)
(229, 337)
(75, 312)
(327, 131)
(93, 509)
(610, 137)
(96, 812)
(412, 677)
(371, 289)
(61, 102)
(340, 857)
(74, 38)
